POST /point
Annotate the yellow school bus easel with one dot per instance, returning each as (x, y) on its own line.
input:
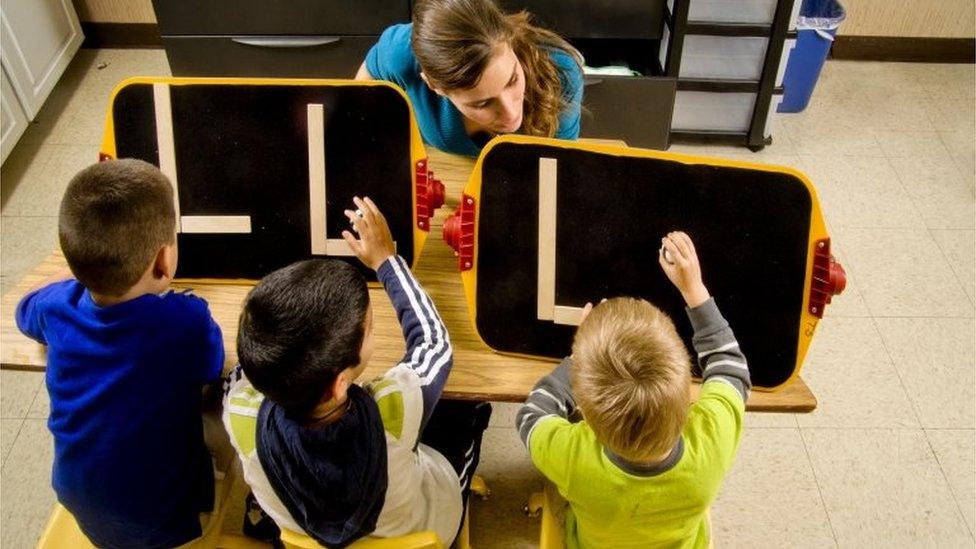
(461, 231)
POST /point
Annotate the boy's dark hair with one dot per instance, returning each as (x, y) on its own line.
(301, 326)
(114, 217)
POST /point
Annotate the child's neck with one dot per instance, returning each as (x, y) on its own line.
(145, 285)
(329, 411)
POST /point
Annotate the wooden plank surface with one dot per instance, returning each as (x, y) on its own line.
(479, 373)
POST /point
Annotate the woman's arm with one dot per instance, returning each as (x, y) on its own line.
(363, 73)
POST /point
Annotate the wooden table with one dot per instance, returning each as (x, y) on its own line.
(478, 374)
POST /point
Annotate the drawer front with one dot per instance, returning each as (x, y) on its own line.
(727, 112)
(633, 19)
(635, 109)
(320, 57)
(732, 11)
(724, 57)
(294, 17)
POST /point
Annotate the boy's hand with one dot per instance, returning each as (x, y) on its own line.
(375, 244)
(680, 262)
(587, 309)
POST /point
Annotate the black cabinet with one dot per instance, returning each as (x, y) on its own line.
(621, 19)
(330, 39)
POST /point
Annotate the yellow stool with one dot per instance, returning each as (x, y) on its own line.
(550, 505)
(62, 530)
(417, 540)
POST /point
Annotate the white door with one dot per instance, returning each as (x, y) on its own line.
(38, 40)
(13, 121)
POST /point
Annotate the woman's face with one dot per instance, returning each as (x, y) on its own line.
(495, 104)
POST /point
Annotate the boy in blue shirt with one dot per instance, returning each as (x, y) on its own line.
(127, 361)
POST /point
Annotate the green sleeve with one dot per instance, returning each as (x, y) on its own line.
(552, 445)
(715, 423)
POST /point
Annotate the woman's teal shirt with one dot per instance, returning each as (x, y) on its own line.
(441, 124)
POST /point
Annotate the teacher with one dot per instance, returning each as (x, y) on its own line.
(473, 72)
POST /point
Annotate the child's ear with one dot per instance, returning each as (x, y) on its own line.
(164, 266)
(341, 383)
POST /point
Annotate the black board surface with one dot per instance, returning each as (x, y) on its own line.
(243, 150)
(751, 229)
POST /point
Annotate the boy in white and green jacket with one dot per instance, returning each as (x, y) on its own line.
(322, 455)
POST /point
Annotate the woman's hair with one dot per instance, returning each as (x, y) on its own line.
(454, 40)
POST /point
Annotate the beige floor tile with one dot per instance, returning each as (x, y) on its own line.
(955, 452)
(766, 420)
(953, 114)
(41, 407)
(961, 147)
(850, 190)
(24, 166)
(26, 485)
(771, 494)
(938, 190)
(902, 272)
(503, 414)
(41, 195)
(959, 248)
(25, 242)
(8, 433)
(846, 79)
(17, 390)
(509, 473)
(911, 144)
(944, 81)
(934, 359)
(884, 488)
(831, 136)
(905, 111)
(854, 381)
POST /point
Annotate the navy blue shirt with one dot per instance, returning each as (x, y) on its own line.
(441, 124)
(125, 384)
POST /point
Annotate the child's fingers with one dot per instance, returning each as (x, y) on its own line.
(373, 208)
(361, 204)
(671, 248)
(354, 245)
(688, 242)
(680, 245)
(358, 220)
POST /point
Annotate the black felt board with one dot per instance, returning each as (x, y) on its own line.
(751, 230)
(243, 150)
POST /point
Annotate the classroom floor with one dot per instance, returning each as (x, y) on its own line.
(888, 456)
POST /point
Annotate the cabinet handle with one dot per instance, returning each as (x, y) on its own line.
(287, 42)
(592, 81)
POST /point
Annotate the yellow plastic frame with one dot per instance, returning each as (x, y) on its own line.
(818, 230)
(417, 151)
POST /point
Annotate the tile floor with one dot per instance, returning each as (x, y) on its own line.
(886, 459)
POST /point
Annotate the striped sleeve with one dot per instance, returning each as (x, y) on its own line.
(552, 396)
(719, 356)
(429, 351)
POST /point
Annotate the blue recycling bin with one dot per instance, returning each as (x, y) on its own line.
(816, 28)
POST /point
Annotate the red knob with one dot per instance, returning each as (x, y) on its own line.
(838, 278)
(452, 230)
(436, 193)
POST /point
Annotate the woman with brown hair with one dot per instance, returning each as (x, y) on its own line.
(473, 72)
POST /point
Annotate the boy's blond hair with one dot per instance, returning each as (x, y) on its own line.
(631, 376)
